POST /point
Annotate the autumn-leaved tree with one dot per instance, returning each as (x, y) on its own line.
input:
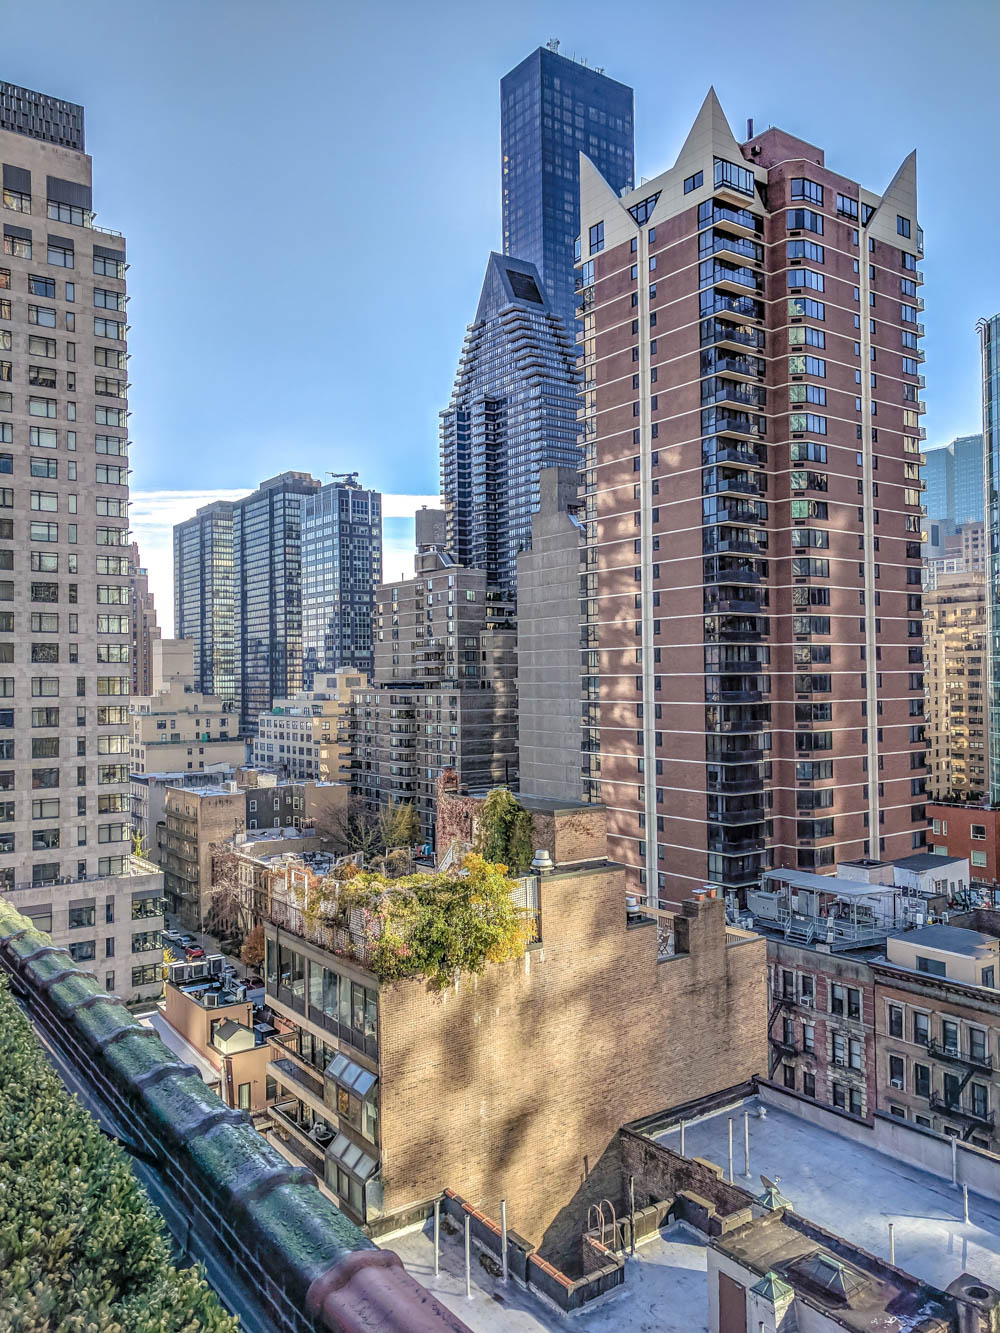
(81, 1246)
(252, 953)
(399, 825)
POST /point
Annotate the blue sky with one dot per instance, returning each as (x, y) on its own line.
(310, 192)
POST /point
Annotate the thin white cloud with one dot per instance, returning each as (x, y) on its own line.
(154, 513)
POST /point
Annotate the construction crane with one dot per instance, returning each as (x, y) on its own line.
(348, 478)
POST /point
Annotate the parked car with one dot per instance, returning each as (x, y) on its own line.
(169, 934)
(186, 941)
(195, 951)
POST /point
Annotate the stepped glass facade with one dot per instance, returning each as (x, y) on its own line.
(512, 413)
(751, 355)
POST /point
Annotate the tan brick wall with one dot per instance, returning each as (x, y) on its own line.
(514, 1085)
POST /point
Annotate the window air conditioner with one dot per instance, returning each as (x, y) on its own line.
(896, 1083)
(806, 1001)
(839, 1060)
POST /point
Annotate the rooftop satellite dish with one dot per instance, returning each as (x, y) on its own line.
(770, 1184)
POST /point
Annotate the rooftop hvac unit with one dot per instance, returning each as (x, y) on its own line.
(215, 963)
(241, 993)
(211, 999)
(198, 971)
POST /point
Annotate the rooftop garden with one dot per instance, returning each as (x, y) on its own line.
(81, 1246)
(428, 924)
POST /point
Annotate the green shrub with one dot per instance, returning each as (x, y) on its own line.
(82, 1249)
(430, 925)
(504, 835)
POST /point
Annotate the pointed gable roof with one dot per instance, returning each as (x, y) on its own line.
(709, 135)
(510, 282)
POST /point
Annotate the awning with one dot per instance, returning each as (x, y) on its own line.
(352, 1158)
(350, 1075)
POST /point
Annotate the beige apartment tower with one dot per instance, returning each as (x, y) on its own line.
(65, 622)
(954, 672)
(750, 413)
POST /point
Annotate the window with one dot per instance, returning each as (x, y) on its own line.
(803, 188)
(106, 328)
(694, 182)
(108, 300)
(18, 246)
(797, 335)
(804, 219)
(846, 206)
(902, 225)
(895, 1021)
(979, 832)
(59, 254)
(109, 267)
(932, 966)
(734, 176)
(805, 277)
(597, 238)
(804, 307)
(18, 201)
(39, 286)
(42, 315)
(897, 1071)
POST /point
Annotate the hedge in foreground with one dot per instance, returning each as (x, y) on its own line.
(82, 1249)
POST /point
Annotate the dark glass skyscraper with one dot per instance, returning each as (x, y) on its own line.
(203, 596)
(267, 585)
(341, 568)
(512, 413)
(551, 110)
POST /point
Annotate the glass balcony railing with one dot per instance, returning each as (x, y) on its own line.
(719, 332)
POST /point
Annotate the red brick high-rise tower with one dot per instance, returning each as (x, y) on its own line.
(751, 588)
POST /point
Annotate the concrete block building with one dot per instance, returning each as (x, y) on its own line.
(549, 716)
(65, 571)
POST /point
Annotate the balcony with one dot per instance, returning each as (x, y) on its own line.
(744, 307)
(735, 818)
(959, 1112)
(736, 423)
(291, 1074)
(296, 1138)
(739, 220)
(745, 367)
(713, 243)
(733, 696)
(734, 278)
(732, 605)
(731, 391)
(953, 1055)
(716, 450)
(730, 483)
(735, 786)
(784, 1045)
(720, 333)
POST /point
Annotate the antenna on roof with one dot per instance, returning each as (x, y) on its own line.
(552, 45)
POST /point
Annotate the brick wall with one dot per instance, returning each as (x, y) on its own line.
(515, 1084)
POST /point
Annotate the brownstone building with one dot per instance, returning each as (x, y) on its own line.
(750, 413)
(511, 1084)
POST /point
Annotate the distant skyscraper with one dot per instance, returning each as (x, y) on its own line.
(512, 413)
(203, 596)
(341, 568)
(267, 585)
(954, 477)
(551, 110)
(989, 336)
